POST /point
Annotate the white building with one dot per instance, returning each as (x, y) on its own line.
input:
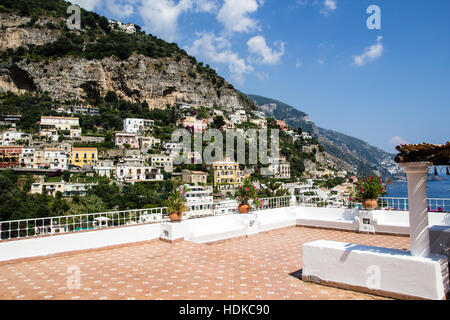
(77, 189)
(147, 143)
(125, 27)
(280, 168)
(239, 117)
(173, 147)
(56, 159)
(133, 174)
(161, 161)
(134, 125)
(105, 168)
(52, 127)
(67, 189)
(85, 110)
(26, 158)
(306, 136)
(199, 201)
(9, 138)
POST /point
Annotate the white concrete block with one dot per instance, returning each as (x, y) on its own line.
(379, 270)
(174, 231)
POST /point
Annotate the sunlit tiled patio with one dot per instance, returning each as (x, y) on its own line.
(263, 266)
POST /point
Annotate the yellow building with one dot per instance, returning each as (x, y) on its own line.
(227, 175)
(84, 156)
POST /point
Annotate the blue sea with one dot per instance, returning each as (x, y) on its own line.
(435, 189)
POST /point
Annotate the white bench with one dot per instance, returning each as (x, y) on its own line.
(214, 229)
(332, 218)
(276, 219)
(383, 271)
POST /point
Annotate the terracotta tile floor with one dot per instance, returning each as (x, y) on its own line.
(263, 266)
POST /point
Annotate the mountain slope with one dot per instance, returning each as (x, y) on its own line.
(87, 63)
(357, 155)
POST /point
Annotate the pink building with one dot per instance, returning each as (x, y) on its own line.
(194, 125)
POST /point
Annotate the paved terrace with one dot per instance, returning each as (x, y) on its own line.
(262, 266)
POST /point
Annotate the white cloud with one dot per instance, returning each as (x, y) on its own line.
(160, 17)
(320, 61)
(234, 15)
(328, 6)
(299, 63)
(218, 50)
(396, 141)
(262, 76)
(262, 53)
(370, 54)
(87, 4)
(120, 10)
(206, 5)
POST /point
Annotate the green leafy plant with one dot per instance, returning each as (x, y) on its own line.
(247, 192)
(368, 188)
(176, 201)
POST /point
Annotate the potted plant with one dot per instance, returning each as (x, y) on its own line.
(247, 194)
(368, 190)
(175, 205)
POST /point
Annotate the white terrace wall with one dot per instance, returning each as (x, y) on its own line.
(42, 246)
(212, 229)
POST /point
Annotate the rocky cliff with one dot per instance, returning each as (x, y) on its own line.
(138, 78)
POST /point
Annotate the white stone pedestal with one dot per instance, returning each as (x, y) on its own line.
(251, 222)
(174, 231)
(387, 272)
(366, 221)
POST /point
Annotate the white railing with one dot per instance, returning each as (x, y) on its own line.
(401, 204)
(384, 203)
(272, 203)
(15, 229)
(316, 201)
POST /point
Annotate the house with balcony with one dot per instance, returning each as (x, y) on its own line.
(105, 168)
(53, 127)
(280, 168)
(26, 158)
(227, 175)
(125, 140)
(199, 201)
(13, 137)
(134, 174)
(161, 161)
(55, 159)
(135, 125)
(147, 143)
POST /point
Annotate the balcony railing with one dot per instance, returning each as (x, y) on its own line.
(17, 229)
(401, 204)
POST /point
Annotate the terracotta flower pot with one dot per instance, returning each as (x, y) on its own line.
(370, 204)
(244, 208)
(175, 216)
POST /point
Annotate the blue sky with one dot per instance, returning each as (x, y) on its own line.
(384, 86)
